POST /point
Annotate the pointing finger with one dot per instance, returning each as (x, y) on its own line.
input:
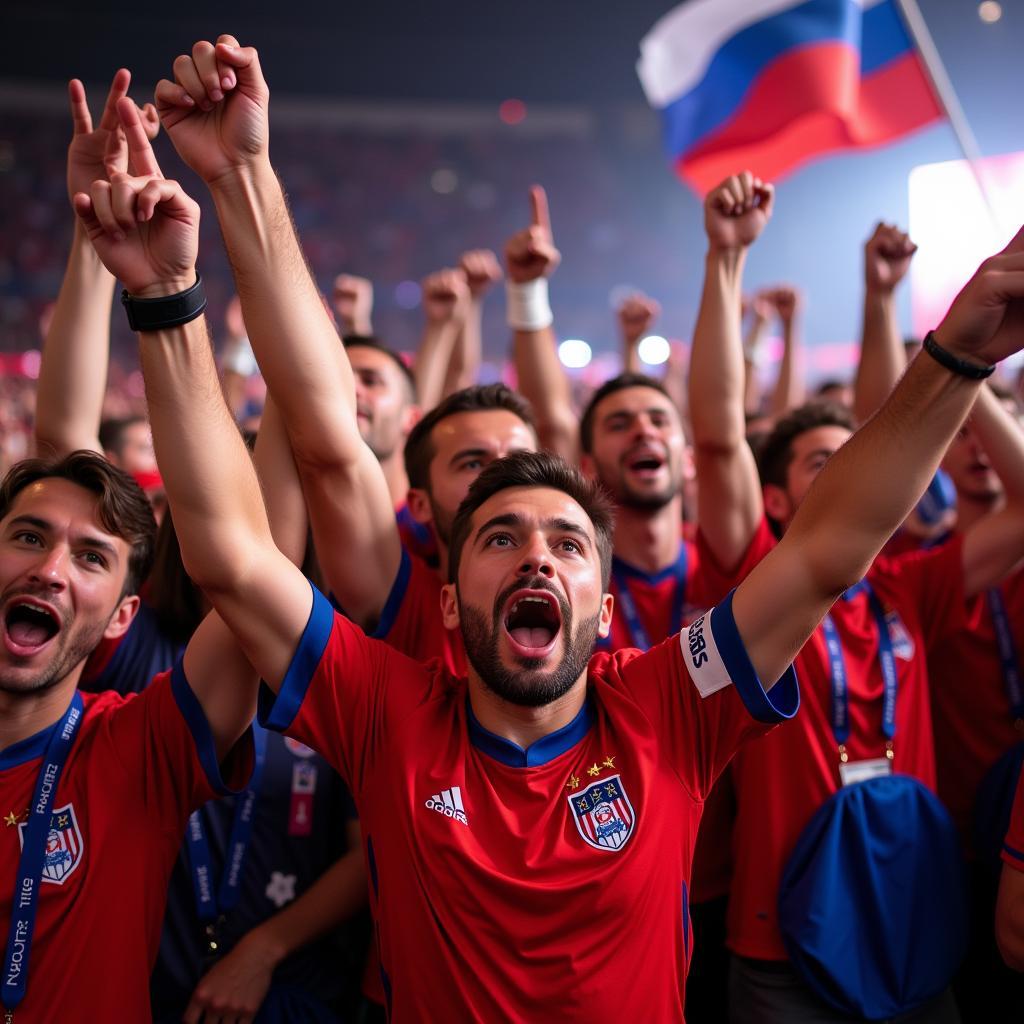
(140, 152)
(540, 218)
(80, 116)
(118, 89)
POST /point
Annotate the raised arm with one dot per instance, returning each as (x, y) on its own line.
(729, 496)
(482, 272)
(76, 350)
(887, 257)
(636, 315)
(530, 259)
(445, 304)
(760, 312)
(215, 113)
(353, 304)
(145, 229)
(867, 488)
(789, 387)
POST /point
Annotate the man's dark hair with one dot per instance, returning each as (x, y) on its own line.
(609, 387)
(536, 469)
(123, 508)
(776, 452)
(832, 384)
(369, 341)
(419, 446)
(112, 431)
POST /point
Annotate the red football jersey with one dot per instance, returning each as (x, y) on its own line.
(974, 726)
(138, 767)
(783, 779)
(1013, 848)
(663, 607)
(411, 620)
(541, 884)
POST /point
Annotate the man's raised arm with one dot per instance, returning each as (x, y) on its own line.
(887, 257)
(73, 372)
(729, 496)
(145, 229)
(531, 258)
(215, 113)
(867, 488)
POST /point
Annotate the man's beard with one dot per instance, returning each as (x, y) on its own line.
(442, 522)
(71, 649)
(527, 686)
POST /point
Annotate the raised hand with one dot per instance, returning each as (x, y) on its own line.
(98, 152)
(887, 256)
(986, 321)
(786, 301)
(445, 296)
(636, 314)
(736, 212)
(143, 227)
(482, 270)
(353, 302)
(215, 110)
(531, 253)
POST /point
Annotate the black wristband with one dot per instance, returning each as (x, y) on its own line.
(972, 371)
(165, 310)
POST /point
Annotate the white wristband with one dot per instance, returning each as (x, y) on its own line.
(527, 306)
(239, 358)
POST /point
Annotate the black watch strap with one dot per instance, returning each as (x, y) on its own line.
(972, 371)
(165, 310)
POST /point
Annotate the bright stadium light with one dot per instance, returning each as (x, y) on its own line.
(653, 350)
(574, 353)
(990, 11)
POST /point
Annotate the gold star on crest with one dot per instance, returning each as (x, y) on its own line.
(10, 819)
(594, 770)
(573, 783)
(609, 762)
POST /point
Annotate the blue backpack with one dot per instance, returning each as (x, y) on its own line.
(873, 902)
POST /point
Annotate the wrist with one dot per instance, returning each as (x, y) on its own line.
(951, 357)
(727, 258)
(527, 305)
(242, 178)
(267, 944)
(161, 289)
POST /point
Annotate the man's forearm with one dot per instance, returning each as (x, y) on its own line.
(789, 388)
(73, 373)
(717, 375)
(211, 484)
(882, 358)
(292, 336)
(433, 359)
(542, 379)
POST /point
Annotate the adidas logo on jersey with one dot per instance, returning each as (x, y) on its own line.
(449, 803)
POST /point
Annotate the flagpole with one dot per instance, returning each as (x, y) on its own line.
(946, 95)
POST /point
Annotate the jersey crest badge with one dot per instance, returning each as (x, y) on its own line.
(64, 847)
(603, 815)
(900, 638)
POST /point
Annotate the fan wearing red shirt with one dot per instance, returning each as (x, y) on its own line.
(1010, 902)
(97, 789)
(920, 597)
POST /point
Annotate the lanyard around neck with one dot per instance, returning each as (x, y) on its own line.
(33, 856)
(840, 680)
(638, 635)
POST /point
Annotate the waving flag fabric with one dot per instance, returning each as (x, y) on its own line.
(769, 84)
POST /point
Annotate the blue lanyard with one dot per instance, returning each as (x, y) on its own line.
(637, 634)
(1008, 658)
(839, 679)
(210, 905)
(33, 853)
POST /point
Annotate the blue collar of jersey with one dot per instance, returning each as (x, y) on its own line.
(30, 747)
(650, 578)
(547, 748)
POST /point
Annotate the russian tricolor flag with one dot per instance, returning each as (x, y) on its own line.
(766, 85)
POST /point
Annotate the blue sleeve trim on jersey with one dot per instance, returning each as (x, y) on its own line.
(776, 705)
(195, 718)
(1017, 854)
(393, 604)
(279, 712)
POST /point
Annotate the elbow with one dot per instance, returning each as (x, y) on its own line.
(1011, 945)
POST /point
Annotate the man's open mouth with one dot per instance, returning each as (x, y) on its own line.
(645, 461)
(533, 621)
(29, 625)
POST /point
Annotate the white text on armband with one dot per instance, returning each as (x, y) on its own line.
(705, 664)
